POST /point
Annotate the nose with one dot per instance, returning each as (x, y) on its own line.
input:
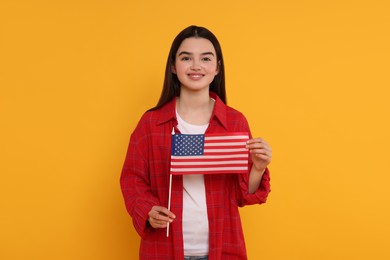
(195, 65)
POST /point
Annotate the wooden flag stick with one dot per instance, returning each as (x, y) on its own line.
(169, 200)
(170, 189)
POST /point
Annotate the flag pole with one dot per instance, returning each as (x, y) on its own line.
(170, 190)
(169, 199)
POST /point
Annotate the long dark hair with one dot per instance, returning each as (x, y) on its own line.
(171, 87)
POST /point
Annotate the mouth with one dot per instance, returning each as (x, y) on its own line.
(195, 76)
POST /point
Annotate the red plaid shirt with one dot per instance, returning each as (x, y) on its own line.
(145, 183)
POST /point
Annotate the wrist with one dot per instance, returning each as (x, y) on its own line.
(259, 170)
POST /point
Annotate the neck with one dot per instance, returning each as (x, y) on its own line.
(195, 107)
(193, 100)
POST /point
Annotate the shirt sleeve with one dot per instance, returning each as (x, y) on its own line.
(259, 196)
(135, 181)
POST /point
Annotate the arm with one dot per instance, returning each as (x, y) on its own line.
(254, 187)
(135, 183)
(141, 199)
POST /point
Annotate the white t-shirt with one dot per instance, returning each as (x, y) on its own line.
(195, 220)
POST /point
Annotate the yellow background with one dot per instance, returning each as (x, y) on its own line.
(312, 77)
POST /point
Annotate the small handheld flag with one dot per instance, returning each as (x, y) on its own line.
(209, 153)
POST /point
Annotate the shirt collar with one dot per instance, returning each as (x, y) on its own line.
(168, 112)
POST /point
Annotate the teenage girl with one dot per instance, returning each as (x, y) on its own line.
(204, 218)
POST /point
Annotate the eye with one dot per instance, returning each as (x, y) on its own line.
(185, 58)
(206, 59)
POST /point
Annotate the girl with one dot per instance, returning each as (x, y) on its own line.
(204, 218)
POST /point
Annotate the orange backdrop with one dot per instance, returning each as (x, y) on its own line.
(312, 77)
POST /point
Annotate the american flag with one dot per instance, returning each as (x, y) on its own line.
(209, 153)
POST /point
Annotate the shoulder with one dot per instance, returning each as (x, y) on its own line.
(234, 113)
(152, 119)
(233, 119)
(145, 128)
(150, 116)
(236, 118)
(226, 114)
(148, 120)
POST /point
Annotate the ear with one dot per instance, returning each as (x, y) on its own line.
(218, 67)
(173, 69)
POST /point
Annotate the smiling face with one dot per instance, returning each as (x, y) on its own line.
(196, 63)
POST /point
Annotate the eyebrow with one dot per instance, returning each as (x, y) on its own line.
(189, 53)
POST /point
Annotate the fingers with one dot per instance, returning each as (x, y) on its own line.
(160, 216)
(259, 147)
(260, 150)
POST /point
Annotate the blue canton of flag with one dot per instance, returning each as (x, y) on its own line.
(187, 145)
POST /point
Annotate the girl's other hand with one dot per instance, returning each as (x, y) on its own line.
(160, 216)
(261, 153)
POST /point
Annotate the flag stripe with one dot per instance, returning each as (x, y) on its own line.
(210, 170)
(227, 135)
(226, 154)
(208, 157)
(222, 144)
(240, 162)
(226, 150)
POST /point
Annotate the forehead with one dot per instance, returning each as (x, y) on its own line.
(196, 45)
